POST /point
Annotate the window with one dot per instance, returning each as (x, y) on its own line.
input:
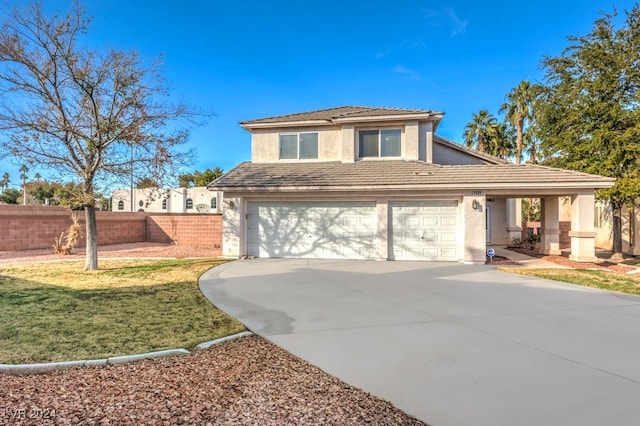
(120, 205)
(298, 146)
(379, 143)
(189, 203)
(164, 204)
(214, 203)
(140, 203)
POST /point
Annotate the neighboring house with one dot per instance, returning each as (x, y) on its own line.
(176, 200)
(377, 183)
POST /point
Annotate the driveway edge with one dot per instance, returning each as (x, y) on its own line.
(49, 367)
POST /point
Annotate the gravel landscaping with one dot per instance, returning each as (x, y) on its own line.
(245, 381)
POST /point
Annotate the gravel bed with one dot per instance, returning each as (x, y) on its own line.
(245, 381)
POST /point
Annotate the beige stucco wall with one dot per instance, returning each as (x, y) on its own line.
(265, 144)
(150, 200)
(445, 155)
(340, 143)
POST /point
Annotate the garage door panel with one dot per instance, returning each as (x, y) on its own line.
(424, 230)
(311, 229)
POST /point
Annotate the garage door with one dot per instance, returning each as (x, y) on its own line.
(311, 230)
(424, 231)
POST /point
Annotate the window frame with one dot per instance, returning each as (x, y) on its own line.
(298, 145)
(379, 155)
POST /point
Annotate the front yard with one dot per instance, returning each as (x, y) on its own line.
(58, 312)
(598, 278)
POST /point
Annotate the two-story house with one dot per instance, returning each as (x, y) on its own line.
(377, 183)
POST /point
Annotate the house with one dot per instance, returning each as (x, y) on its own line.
(377, 183)
(176, 200)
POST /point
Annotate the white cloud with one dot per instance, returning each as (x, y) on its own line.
(458, 26)
(446, 17)
(399, 69)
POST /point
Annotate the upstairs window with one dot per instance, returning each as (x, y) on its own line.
(298, 146)
(164, 204)
(189, 203)
(379, 143)
(120, 205)
(214, 203)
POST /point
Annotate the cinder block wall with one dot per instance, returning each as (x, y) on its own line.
(186, 229)
(36, 227)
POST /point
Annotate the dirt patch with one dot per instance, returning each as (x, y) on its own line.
(133, 250)
(565, 261)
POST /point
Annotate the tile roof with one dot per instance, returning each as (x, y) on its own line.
(343, 112)
(483, 155)
(401, 174)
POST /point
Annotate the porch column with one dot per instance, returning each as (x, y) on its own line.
(514, 219)
(550, 242)
(475, 237)
(234, 236)
(382, 230)
(583, 236)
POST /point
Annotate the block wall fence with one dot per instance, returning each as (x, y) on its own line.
(36, 227)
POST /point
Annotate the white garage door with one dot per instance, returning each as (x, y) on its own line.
(425, 230)
(325, 230)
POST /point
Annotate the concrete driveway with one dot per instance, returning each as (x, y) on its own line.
(450, 344)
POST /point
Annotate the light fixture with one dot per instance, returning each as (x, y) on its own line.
(474, 204)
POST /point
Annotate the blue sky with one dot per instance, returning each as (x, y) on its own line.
(251, 59)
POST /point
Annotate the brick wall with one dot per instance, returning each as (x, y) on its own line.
(36, 227)
(186, 229)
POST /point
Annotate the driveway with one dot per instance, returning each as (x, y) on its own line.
(450, 344)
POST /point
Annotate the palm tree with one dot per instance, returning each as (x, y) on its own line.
(37, 177)
(23, 176)
(4, 182)
(519, 110)
(476, 132)
(501, 140)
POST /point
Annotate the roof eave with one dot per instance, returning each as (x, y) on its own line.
(485, 186)
(276, 124)
(429, 116)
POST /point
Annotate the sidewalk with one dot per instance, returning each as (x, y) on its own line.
(526, 261)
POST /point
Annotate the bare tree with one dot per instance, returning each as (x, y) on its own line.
(82, 113)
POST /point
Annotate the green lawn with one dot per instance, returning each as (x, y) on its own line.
(58, 312)
(623, 283)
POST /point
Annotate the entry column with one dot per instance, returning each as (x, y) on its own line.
(550, 242)
(583, 241)
(514, 219)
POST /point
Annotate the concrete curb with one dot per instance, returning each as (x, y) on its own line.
(48, 367)
(210, 343)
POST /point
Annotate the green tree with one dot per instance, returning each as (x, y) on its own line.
(518, 109)
(590, 120)
(10, 196)
(198, 178)
(476, 132)
(81, 112)
(41, 190)
(69, 195)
